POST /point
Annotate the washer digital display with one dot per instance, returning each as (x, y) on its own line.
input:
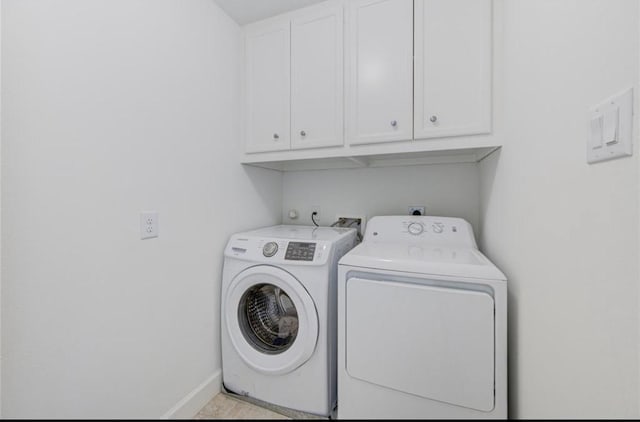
(299, 251)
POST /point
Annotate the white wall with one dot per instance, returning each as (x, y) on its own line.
(0, 208)
(111, 107)
(564, 232)
(446, 190)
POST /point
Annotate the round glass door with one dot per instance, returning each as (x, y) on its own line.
(268, 318)
(271, 319)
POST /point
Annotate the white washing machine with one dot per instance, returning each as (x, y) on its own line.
(422, 324)
(278, 319)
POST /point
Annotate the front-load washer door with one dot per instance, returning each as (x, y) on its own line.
(271, 319)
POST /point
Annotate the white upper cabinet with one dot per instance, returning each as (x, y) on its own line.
(380, 71)
(267, 90)
(317, 95)
(347, 83)
(453, 55)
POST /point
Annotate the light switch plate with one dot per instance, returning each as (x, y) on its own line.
(611, 128)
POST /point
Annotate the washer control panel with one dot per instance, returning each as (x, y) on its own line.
(269, 249)
(275, 251)
(300, 251)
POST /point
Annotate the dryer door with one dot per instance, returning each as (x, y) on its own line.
(428, 341)
(271, 319)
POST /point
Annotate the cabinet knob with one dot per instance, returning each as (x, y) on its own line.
(276, 136)
(394, 123)
(303, 133)
(433, 119)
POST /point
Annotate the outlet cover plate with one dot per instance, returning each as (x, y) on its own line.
(419, 208)
(149, 224)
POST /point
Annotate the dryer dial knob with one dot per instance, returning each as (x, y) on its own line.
(415, 228)
(438, 228)
(270, 249)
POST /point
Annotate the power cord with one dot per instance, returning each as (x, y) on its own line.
(313, 214)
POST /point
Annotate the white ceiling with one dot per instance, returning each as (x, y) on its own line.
(247, 11)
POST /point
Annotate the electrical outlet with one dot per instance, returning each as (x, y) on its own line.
(416, 210)
(148, 225)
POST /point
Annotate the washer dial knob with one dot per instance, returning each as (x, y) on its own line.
(415, 228)
(438, 227)
(270, 249)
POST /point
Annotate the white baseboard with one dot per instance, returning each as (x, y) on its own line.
(191, 404)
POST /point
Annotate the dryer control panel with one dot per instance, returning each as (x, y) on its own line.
(454, 232)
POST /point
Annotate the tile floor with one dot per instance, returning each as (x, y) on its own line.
(224, 406)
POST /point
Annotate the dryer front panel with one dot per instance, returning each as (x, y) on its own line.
(271, 320)
(432, 342)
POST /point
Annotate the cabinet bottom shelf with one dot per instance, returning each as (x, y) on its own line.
(467, 155)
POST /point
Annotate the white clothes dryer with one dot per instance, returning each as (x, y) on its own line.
(279, 308)
(422, 324)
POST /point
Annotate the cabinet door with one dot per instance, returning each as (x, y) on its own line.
(453, 67)
(380, 75)
(267, 87)
(317, 78)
